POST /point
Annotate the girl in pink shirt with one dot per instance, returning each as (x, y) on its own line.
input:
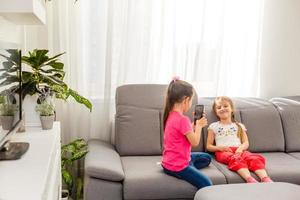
(180, 135)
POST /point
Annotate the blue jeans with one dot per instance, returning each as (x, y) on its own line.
(191, 173)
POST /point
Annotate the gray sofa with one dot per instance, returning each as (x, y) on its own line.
(131, 169)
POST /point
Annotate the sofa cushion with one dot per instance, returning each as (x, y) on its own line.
(295, 155)
(103, 161)
(289, 110)
(139, 119)
(138, 131)
(141, 95)
(283, 167)
(145, 175)
(280, 166)
(263, 124)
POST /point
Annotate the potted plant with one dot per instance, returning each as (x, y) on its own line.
(49, 71)
(44, 70)
(45, 107)
(8, 108)
(71, 153)
(46, 111)
(7, 115)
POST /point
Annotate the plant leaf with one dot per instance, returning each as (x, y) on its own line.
(36, 59)
(79, 155)
(7, 65)
(55, 64)
(27, 77)
(14, 56)
(12, 69)
(69, 148)
(51, 79)
(79, 143)
(54, 57)
(67, 178)
(81, 99)
(9, 80)
(29, 88)
(41, 55)
(61, 91)
(63, 162)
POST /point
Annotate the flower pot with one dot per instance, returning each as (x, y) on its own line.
(64, 195)
(47, 122)
(7, 122)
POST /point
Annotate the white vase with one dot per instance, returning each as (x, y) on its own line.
(32, 117)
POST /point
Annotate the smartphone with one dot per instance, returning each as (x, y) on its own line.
(198, 112)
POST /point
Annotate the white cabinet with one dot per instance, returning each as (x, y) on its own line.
(23, 12)
(36, 176)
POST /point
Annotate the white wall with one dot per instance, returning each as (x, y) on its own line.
(35, 37)
(280, 55)
(10, 32)
(28, 37)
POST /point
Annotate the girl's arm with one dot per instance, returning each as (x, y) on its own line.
(210, 143)
(195, 136)
(245, 143)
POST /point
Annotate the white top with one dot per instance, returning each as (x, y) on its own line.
(31, 176)
(226, 134)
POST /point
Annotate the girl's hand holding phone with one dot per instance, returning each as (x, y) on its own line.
(202, 122)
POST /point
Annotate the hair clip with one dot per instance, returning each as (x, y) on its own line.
(175, 78)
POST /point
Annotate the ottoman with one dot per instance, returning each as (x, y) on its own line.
(253, 191)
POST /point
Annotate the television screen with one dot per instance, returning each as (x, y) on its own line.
(10, 90)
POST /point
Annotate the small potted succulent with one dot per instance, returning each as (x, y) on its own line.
(7, 115)
(46, 111)
(45, 107)
(8, 108)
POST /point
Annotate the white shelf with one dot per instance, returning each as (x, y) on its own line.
(23, 12)
(37, 174)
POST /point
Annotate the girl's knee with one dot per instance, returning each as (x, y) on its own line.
(201, 157)
(202, 162)
(209, 182)
(208, 156)
(205, 183)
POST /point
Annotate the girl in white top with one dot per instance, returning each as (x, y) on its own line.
(228, 139)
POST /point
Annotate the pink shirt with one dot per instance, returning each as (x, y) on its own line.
(177, 148)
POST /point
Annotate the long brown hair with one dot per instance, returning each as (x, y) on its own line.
(177, 91)
(227, 99)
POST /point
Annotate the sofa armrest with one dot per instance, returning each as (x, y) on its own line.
(103, 161)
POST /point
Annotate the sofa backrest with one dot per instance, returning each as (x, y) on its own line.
(262, 120)
(289, 109)
(138, 119)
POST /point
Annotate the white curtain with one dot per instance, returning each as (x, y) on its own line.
(213, 44)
